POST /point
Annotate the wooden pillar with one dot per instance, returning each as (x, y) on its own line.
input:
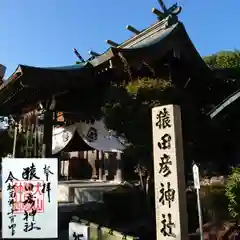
(47, 134)
(94, 169)
(105, 166)
(100, 161)
(118, 176)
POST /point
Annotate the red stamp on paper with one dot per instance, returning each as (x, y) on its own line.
(29, 196)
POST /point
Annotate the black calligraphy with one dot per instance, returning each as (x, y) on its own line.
(47, 185)
(165, 142)
(167, 195)
(167, 192)
(11, 200)
(163, 119)
(30, 205)
(30, 200)
(30, 223)
(47, 188)
(47, 171)
(78, 236)
(167, 225)
(29, 173)
(12, 224)
(28, 187)
(92, 134)
(10, 177)
(164, 165)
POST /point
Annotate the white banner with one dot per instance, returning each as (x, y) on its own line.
(95, 135)
(29, 198)
(61, 137)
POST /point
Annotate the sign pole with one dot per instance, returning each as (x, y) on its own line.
(200, 215)
(197, 187)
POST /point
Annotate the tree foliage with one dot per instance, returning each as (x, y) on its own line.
(233, 193)
(127, 110)
(224, 59)
(225, 66)
(226, 74)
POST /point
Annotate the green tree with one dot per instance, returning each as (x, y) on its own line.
(127, 110)
(224, 60)
(233, 193)
(225, 66)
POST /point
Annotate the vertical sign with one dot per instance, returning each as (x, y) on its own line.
(78, 231)
(196, 176)
(169, 180)
(29, 198)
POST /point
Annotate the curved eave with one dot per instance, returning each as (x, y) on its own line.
(151, 44)
(26, 79)
(24, 69)
(197, 65)
(144, 48)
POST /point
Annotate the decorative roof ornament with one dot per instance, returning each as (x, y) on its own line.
(175, 9)
(163, 6)
(172, 11)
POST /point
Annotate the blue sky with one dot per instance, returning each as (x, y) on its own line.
(44, 32)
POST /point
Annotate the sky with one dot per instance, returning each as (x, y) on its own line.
(43, 33)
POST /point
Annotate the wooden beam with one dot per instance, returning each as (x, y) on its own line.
(158, 13)
(132, 29)
(113, 44)
(78, 55)
(93, 53)
(163, 6)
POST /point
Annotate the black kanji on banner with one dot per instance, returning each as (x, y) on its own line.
(92, 134)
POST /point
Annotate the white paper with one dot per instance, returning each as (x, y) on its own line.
(78, 231)
(46, 216)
